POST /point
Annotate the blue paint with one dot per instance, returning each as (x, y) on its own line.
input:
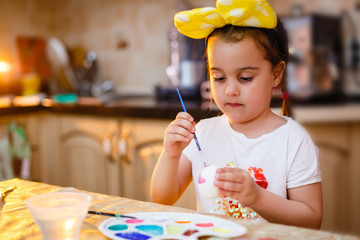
(118, 227)
(153, 229)
(133, 236)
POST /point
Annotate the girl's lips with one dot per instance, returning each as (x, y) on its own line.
(233, 104)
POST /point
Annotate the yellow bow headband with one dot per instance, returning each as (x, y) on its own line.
(200, 22)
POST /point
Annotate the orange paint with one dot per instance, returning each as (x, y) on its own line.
(182, 222)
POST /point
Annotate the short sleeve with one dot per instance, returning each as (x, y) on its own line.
(303, 165)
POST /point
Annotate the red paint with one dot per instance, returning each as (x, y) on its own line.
(204, 224)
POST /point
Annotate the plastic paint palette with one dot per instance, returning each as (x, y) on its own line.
(169, 225)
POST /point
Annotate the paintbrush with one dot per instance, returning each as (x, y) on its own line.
(110, 214)
(195, 137)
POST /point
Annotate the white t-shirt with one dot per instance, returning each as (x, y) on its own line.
(287, 156)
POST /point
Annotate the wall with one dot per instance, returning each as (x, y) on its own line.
(100, 25)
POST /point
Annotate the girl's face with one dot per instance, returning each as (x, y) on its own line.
(241, 79)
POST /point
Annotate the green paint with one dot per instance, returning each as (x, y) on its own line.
(221, 230)
(118, 227)
(173, 229)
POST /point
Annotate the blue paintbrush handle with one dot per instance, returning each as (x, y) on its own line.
(182, 102)
(195, 138)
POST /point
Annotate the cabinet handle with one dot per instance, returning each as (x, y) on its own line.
(123, 146)
(116, 147)
(108, 146)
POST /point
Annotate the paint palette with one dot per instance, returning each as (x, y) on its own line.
(169, 225)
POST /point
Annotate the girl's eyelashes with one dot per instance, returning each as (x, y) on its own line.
(219, 78)
(246, 79)
(242, 79)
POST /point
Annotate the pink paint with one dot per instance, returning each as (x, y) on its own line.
(134, 220)
(205, 224)
(201, 180)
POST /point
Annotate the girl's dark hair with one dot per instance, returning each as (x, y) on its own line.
(272, 42)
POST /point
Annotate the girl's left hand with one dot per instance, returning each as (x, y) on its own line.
(238, 184)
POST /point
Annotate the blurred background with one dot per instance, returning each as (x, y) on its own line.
(90, 84)
(93, 46)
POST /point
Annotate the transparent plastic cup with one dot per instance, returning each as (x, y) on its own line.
(59, 215)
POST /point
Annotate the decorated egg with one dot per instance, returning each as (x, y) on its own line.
(206, 182)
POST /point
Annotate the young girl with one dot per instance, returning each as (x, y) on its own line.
(268, 165)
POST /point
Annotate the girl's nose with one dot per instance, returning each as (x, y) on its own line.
(232, 89)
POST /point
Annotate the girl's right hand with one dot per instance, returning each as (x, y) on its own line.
(179, 134)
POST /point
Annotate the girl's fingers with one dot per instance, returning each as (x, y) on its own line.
(178, 138)
(235, 175)
(179, 131)
(229, 169)
(185, 115)
(181, 126)
(227, 193)
(185, 124)
(228, 186)
(231, 179)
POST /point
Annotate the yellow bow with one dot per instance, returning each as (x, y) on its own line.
(200, 22)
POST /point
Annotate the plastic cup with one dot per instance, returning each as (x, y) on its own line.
(59, 215)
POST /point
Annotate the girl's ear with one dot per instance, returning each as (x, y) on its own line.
(278, 73)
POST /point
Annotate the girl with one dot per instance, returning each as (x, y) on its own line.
(268, 165)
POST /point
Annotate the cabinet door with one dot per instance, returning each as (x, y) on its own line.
(355, 179)
(146, 139)
(333, 142)
(83, 163)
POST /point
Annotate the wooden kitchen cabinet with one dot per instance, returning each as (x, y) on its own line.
(339, 155)
(74, 154)
(145, 139)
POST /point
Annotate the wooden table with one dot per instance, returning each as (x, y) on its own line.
(16, 221)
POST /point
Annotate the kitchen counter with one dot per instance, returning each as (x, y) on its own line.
(148, 107)
(16, 221)
(326, 114)
(141, 107)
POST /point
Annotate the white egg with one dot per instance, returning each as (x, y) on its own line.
(206, 182)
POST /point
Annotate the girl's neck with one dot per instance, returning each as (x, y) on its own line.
(254, 128)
